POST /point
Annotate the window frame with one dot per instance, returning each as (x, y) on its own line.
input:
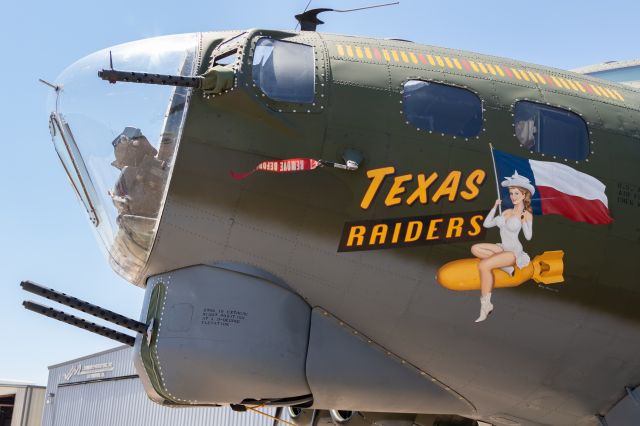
(320, 100)
(449, 85)
(559, 108)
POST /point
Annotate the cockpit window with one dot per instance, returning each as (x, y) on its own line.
(284, 71)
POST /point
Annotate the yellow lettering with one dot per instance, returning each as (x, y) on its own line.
(475, 225)
(421, 191)
(396, 232)
(356, 233)
(449, 187)
(433, 228)
(379, 233)
(376, 176)
(474, 180)
(396, 189)
(455, 225)
(414, 229)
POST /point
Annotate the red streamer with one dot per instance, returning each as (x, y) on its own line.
(290, 165)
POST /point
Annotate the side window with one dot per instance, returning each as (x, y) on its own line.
(441, 108)
(551, 131)
(284, 71)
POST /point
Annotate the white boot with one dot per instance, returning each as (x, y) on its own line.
(485, 307)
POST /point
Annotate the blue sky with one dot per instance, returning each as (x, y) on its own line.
(46, 236)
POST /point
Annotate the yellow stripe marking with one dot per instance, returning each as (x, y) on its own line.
(457, 63)
(395, 56)
(413, 58)
(474, 66)
(340, 50)
(524, 75)
(448, 62)
(491, 69)
(349, 51)
(431, 61)
(367, 53)
(533, 77)
(541, 78)
(499, 70)
(606, 95)
(618, 95)
(577, 83)
(516, 73)
(482, 68)
(440, 61)
(404, 57)
(386, 55)
(359, 52)
(573, 86)
(613, 95)
(564, 83)
(595, 89)
(556, 81)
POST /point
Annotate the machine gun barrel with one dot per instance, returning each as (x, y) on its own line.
(85, 307)
(113, 76)
(79, 322)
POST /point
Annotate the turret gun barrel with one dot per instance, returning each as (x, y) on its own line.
(85, 307)
(80, 323)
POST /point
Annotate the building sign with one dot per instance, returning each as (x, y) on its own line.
(91, 371)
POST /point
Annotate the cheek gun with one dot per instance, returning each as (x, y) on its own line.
(463, 274)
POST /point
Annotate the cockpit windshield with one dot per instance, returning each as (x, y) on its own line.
(117, 142)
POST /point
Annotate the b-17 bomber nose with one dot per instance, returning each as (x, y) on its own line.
(118, 142)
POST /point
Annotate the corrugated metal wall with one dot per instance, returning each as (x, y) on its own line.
(119, 399)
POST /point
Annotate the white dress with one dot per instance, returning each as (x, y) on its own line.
(509, 230)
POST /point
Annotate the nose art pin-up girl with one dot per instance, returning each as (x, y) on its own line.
(509, 253)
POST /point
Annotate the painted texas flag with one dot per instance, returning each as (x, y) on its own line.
(560, 189)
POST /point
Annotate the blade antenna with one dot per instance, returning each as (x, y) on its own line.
(309, 21)
(305, 9)
(111, 60)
